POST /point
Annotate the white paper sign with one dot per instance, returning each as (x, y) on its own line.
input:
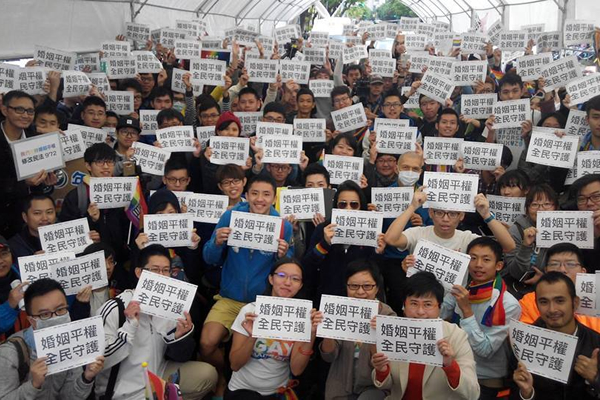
(177, 138)
(151, 159)
(75, 84)
(583, 89)
(121, 67)
(255, 231)
(441, 150)
(507, 209)
(546, 148)
(585, 286)
(282, 318)
(312, 130)
(137, 32)
(349, 118)
(169, 230)
(577, 124)
(39, 266)
(89, 62)
(413, 101)
(31, 80)
(148, 121)
(115, 192)
(162, 296)
(281, 149)
(511, 113)
(356, 227)
(436, 87)
(298, 71)
(229, 150)
(408, 24)
(348, 318)
(285, 33)
(391, 201)
(530, 67)
(560, 72)
(415, 42)
(54, 59)
(410, 340)
(449, 266)
(262, 71)
(74, 275)
(249, 121)
(343, 168)
(89, 135)
(578, 32)
(167, 37)
(100, 80)
(481, 156)
(8, 76)
(204, 133)
(478, 106)
(147, 63)
(120, 102)
(544, 352)
(206, 208)
(494, 31)
(186, 49)
(396, 140)
(178, 86)
(115, 49)
(383, 66)
(354, 53)
(555, 227)
(315, 56)
(390, 123)
(467, 73)
(588, 162)
(72, 345)
(303, 204)
(473, 43)
(321, 87)
(550, 41)
(33, 154)
(451, 191)
(513, 40)
(208, 71)
(440, 65)
(65, 236)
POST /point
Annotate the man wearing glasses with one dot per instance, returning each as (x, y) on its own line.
(588, 199)
(46, 306)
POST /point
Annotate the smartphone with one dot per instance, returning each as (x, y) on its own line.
(527, 275)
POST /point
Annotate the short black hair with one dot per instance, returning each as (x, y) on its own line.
(100, 246)
(168, 114)
(510, 79)
(229, 171)
(448, 111)
(305, 91)
(130, 84)
(392, 93)
(248, 90)
(353, 67)
(316, 169)
(489, 242)
(41, 287)
(274, 107)
(514, 177)
(92, 101)
(348, 137)
(99, 152)
(507, 157)
(585, 180)
(541, 190)
(206, 102)
(279, 263)
(351, 186)
(592, 104)
(46, 109)
(559, 117)
(36, 197)
(365, 265)
(16, 94)
(339, 91)
(160, 91)
(151, 251)
(112, 114)
(556, 277)
(564, 248)
(262, 178)
(422, 284)
(175, 164)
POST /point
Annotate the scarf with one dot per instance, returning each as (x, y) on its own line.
(493, 292)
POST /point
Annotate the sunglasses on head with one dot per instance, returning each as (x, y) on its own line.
(355, 205)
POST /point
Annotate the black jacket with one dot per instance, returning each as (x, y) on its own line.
(24, 243)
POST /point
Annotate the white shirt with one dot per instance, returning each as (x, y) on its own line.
(458, 242)
(6, 136)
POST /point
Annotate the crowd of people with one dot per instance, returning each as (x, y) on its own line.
(211, 350)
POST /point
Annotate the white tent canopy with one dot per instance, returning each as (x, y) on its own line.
(80, 25)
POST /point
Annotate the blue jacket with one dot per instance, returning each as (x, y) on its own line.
(8, 315)
(245, 271)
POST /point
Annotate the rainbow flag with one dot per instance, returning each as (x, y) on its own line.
(497, 74)
(159, 389)
(137, 207)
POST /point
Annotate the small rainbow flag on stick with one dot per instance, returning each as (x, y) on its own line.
(137, 208)
(159, 389)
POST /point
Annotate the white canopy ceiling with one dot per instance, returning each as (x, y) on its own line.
(80, 25)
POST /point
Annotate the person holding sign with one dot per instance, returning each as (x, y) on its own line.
(326, 263)
(588, 199)
(12, 318)
(93, 113)
(244, 272)
(128, 132)
(591, 141)
(133, 337)
(18, 110)
(46, 306)
(523, 264)
(483, 310)
(38, 210)
(262, 367)
(556, 299)
(350, 373)
(456, 379)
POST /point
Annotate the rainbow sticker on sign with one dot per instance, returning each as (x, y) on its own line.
(223, 55)
(37, 154)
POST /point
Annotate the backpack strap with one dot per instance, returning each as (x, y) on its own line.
(23, 356)
(114, 371)
(82, 197)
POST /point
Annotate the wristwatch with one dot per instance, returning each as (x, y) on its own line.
(490, 218)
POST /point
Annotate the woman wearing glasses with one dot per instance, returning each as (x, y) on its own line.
(523, 265)
(326, 263)
(349, 377)
(262, 367)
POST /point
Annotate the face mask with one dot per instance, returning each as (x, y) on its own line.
(56, 320)
(179, 106)
(408, 178)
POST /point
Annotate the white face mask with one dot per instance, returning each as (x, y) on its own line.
(56, 320)
(408, 178)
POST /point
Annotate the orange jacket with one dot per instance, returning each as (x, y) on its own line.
(530, 313)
